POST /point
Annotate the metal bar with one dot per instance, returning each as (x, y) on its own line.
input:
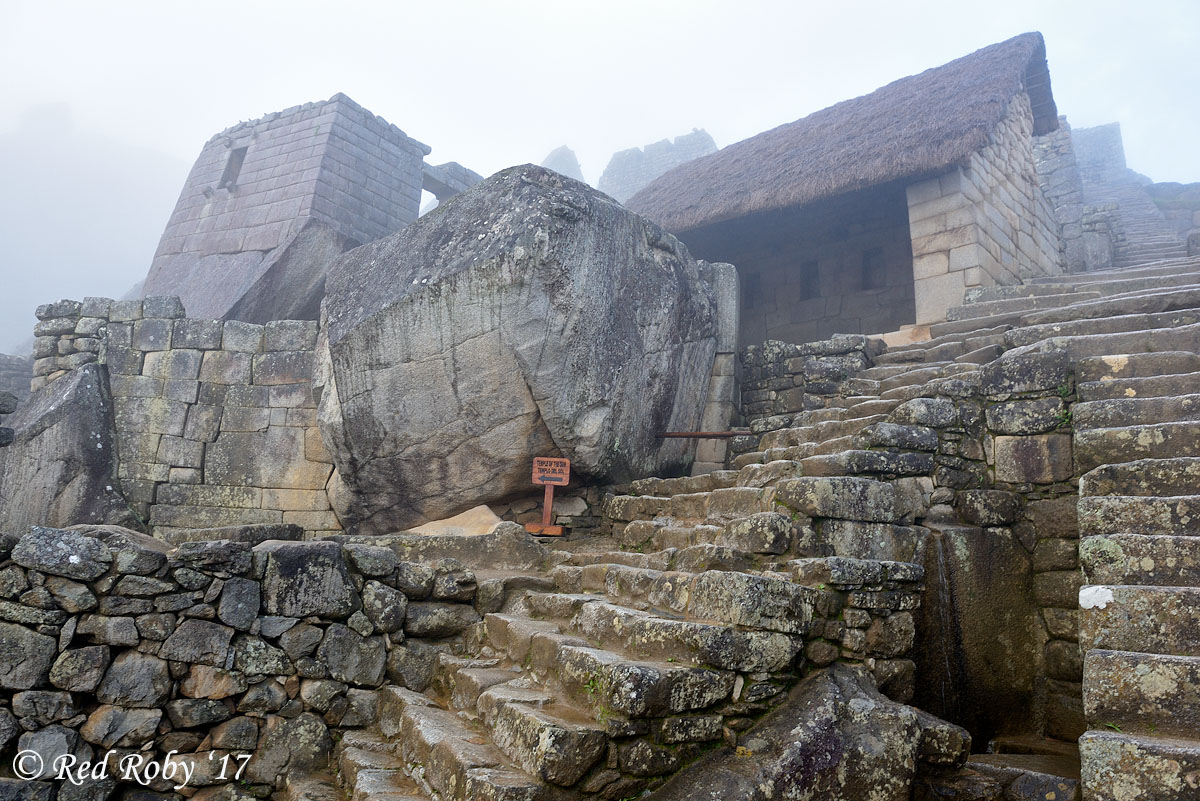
(703, 434)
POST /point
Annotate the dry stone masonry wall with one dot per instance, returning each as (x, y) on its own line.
(630, 170)
(114, 644)
(215, 421)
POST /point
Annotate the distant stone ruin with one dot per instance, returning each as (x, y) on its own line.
(562, 160)
(630, 170)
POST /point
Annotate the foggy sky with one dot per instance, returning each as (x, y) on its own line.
(106, 105)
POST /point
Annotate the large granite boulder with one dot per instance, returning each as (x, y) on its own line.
(529, 316)
(836, 736)
(61, 468)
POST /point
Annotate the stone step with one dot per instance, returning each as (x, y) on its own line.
(1155, 301)
(296, 787)
(443, 755)
(740, 540)
(1139, 514)
(1031, 776)
(1153, 620)
(1165, 267)
(975, 324)
(633, 688)
(1129, 767)
(982, 294)
(552, 741)
(649, 636)
(1110, 367)
(353, 761)
(1161, 477)
(1033, 744)
(864, 462)
(845, 498)
(736, 599)
(1142, 693)
(835, 445)
(1150, 387)
(1129, 325)
(1119, 412)
(1098, 446)
(386, 785)
(914, 377)
(1163, 560)
(984, 309)
(665, 487)
(816, 432)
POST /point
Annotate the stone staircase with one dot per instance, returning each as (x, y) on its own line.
(1138, 438)
(624, 659)
(1142, 233)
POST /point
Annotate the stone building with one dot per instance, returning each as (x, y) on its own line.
(630, 170)
(880, 211)
(271, 202)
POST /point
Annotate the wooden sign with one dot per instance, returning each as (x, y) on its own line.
(550, 472)
(547, 470)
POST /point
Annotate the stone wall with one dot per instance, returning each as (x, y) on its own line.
(630, 170)
(215, 421)
(1058, 176)
(781, 378)
(1100, 154)
(984, 224)
(15, 375)
(1180, 204)
(114, 643)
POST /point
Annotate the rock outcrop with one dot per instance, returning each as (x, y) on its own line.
(530, 316)
(61, 466)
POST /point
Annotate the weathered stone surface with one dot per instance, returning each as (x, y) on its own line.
(791, 753)
(135, 680)
(385, 607)
(1146, 693)
(840, 497)
(765, 532)
(306, 578)
(61, 467)
(80, 669)
(256, 657)
(1027, 416)
(239, 603)
(438, 620)
(25, 657)
(1041, 459)
(118, 727)
(198, 641)
(1029, 372)
(1126, 767)
(436, 401)
(351, 657)
(62, 553)
(287, 746)
(986, 507)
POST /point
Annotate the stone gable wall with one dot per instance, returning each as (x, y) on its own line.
(1058, 176)
(216, 422)
(333, 161)
(984, 224)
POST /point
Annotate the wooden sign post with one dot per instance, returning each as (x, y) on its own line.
(550, 472)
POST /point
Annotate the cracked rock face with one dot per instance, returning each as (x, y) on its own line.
(530, 316)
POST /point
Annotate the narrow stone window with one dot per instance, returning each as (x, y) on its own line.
(874, 272)
(232, 168)
(810, 280)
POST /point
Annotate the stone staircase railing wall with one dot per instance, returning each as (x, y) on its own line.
(215, 421)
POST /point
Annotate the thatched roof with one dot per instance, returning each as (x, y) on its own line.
(920, 125)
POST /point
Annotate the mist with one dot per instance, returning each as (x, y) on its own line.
(114, 101)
